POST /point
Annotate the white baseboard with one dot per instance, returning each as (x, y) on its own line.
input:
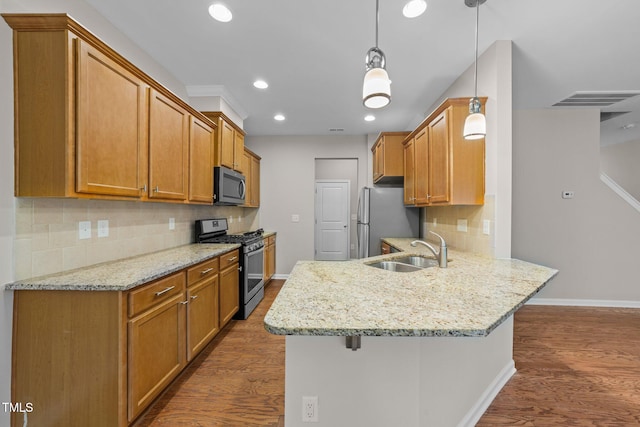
(281, 276)
(476, 412)
(584, 302)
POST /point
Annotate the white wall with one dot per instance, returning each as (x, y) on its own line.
(620, 163)
(287, 176)
(593, 238)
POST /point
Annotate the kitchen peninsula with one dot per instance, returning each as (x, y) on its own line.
(436, 344)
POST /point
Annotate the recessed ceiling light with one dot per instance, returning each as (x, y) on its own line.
(414, 8)
(220, 12)
(278, 117)
(369, 118)
(260, 84)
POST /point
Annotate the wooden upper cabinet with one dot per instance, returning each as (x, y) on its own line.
(200, 162)
(409, 172)
(388, 158)
(229, 142)
(252, 174)
(111, 126)
(168, 148)
(448, 170)
(421, 183)
(439, 139)
(94, 125)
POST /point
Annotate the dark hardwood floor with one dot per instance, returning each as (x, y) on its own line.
(577, 366)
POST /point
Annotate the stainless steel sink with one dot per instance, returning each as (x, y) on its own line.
(394, 266)
(417, 261)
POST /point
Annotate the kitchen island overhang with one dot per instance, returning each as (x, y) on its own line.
(436, 344)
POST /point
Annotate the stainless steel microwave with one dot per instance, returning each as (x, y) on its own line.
(229, 187)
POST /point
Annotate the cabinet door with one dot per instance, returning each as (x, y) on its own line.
(439, 166)
(227, 135)
(409, 172)
(421, 152)
(156, 352)
(385, 248)
(200, 162)
(238, 152)
(255, 182)
(168, 149)
(111, 127)
(202, 315)
(229, 293)
(246, 160)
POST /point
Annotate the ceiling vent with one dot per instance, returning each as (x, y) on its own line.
(596, 99)
(336, 130)
(606, 115)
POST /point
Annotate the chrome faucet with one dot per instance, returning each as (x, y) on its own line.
(441, 255)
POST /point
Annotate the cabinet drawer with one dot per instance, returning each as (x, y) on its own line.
(156, 292)
(202, 271)
(229, 258)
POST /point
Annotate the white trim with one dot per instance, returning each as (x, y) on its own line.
(584, 302)
(620, 191)
(222, 92)
(281, 276)
(476, 412)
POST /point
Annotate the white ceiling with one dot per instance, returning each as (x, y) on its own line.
(311, 52)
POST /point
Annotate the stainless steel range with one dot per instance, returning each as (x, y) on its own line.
(251, 263)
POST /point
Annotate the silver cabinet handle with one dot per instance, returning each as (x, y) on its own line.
(232, 259)
(164, 291)
(144, 188)
(155, 190)
(185, 302)
(194, 297)
(207, 271)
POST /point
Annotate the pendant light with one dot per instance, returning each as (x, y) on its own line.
(376, 89)
(475, 125)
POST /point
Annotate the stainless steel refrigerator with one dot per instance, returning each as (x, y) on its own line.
(381, 213)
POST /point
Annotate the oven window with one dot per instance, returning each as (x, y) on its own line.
(255, 268)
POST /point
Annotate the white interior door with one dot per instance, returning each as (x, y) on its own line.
(332, 221)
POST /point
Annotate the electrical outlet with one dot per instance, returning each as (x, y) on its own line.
(309, 409)
(103, 228)
(172, 223)
(84, 230)
(435, 222)
(462, 225)
(295, 218)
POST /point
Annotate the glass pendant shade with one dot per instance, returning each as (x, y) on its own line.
(376, 90)
(475, 126)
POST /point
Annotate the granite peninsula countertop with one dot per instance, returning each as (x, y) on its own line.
(471, 297)
(127, 273)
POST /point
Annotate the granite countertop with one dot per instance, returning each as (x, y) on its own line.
(127, 273)
(471, 297)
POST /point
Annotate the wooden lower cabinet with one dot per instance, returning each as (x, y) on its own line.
(269, 258)
(156, 352)
(385, 248)
(99, 358)
(229, 287)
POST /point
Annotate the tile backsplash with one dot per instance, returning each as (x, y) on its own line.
(447, 219)
(47, 231)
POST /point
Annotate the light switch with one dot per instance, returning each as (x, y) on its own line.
(462, 225)
(486, 226)
(295, 218)
(568, 194)
(172, 223)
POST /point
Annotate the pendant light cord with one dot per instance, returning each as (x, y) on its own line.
(475, 74)
(377, 20)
